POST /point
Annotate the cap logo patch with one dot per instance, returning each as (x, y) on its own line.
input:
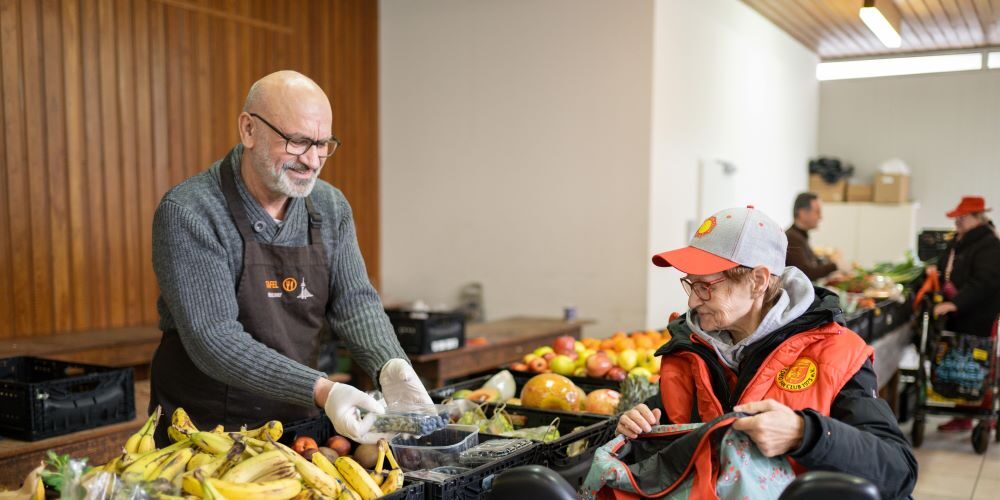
(706, 227)
(797, 377)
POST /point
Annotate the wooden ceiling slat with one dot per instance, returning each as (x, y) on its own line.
(954, 19)
(972, 23)
(940, 18)
(811, 41)
(835, 23)
(987, 18)
(914, 33)
(801, 16)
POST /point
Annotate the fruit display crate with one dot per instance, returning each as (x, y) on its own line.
(597, 430)
(41, 398)
(520, 378)
(321, 429)
(586, 383)
(860, 322)
(473, 484)
(889, 315)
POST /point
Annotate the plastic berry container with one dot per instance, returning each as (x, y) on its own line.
(440, 448)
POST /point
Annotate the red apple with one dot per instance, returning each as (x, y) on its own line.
(564, 344)
(617, 374)
(548, 356)
(573, 355)
(519, 367)
(602, 401)
(598, 366)
(538, 365)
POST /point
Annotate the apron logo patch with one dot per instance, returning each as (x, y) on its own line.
(797, 377)
(706, 227)
(289, 284)
(305, 293)
(271, 284)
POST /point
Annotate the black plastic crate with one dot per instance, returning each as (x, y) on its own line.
(319, 428)
(889, 315)
(473, 484)
(860, 322)
(41, 398)
(427, 332)
(520, 378)
(597, 430)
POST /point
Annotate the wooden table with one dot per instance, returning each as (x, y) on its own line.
(119, 348)
(17, 458)
(509, 340)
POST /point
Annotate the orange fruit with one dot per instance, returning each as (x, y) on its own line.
(619, 335)
(623, 344)
(607, 345)
(643, 342)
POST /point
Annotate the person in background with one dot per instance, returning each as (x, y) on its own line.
(761, 339)
(807, 212)
(971, 285)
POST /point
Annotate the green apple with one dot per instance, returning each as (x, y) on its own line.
(640, 372)
(542, 351)
(628, 359)
(580, 372)
(562, 364)
(579, 347)
(461, 394)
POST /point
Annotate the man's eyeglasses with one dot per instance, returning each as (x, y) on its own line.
(703, 289)
(299, 145)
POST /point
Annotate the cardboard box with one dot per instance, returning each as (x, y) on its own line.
(828, 192)
(892, 188)
(860, 192)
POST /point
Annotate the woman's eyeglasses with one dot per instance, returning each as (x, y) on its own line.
(703, 289)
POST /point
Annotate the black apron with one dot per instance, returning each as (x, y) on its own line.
(282, 297)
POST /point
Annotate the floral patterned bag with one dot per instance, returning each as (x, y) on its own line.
(686, 461)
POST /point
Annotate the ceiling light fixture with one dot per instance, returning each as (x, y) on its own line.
(884, 21)
(868, 68)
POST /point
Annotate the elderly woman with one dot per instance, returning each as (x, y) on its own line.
(971, 279)
(759, 338)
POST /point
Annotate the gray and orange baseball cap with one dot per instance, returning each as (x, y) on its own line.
(730, 238)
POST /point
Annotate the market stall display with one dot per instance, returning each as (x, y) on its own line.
(614, 358)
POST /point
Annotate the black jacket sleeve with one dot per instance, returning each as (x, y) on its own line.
(860, 437)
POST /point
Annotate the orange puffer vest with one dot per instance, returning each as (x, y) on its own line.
(807, 370)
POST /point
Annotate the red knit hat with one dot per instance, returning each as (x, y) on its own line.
(969, 205)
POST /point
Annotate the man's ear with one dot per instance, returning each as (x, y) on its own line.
(246, 127)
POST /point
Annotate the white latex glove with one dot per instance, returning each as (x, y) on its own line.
(400, 384)
(342, 407)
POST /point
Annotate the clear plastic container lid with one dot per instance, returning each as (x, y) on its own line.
(492, 450)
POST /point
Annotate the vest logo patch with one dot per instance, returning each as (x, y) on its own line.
(289, 284)
(797, 377)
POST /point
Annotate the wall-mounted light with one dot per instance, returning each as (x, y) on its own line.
(884, 21)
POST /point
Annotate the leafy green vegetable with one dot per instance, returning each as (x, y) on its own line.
(56, 471)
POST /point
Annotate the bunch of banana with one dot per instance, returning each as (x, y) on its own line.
(314, 477)
(377, 483)
(145, 465)
(142, 441)
(181, 425)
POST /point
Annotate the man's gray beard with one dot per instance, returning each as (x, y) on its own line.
(281, 182)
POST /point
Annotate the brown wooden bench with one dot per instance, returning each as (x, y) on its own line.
(119, 347)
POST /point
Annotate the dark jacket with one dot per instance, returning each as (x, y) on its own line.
(976, 275)
(800, 255)
(860, 436)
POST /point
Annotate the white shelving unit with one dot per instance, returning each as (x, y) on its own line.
(868, 233)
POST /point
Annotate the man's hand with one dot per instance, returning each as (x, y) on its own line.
(944, 308)
(400, 384)
(774, 427)
(342, 405)
(637, 420)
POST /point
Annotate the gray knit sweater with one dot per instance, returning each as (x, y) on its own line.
(198, 260)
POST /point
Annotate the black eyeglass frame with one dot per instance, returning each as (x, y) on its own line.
(332, 140)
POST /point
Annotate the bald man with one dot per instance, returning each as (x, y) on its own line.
(254, 257)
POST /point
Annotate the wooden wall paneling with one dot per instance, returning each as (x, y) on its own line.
(130, 201)
(58, 192)
(76, 178)
(202, 60)
(36, 152)
(96, 224)
(17, 168)
(111, 133)
(145, 184)
(6, 306)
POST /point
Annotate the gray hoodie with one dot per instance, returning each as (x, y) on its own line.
(796, 296)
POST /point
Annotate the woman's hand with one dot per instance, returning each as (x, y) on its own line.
(638, 420)
(944, 308)
(774, 427)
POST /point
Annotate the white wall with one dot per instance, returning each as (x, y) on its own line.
(515, 152)
(728, 85)
(945, 126)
